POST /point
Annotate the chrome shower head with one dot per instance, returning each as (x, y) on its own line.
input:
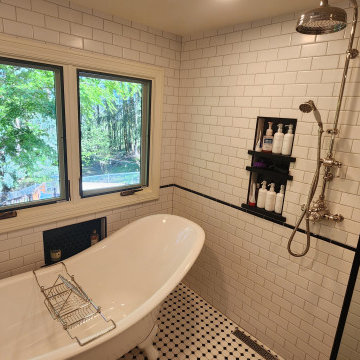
(307, 107)
(323, 20)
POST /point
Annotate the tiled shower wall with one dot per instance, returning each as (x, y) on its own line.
(292, 305)
(229, 77)
(350, 343)
(64, 23)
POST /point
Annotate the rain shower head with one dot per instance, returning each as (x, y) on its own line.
(323, 20)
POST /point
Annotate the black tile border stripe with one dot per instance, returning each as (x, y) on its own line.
(320, 237)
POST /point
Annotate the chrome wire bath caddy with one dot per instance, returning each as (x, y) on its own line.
(68, 303)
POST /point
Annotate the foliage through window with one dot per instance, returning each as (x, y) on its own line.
(32, 158)
(114, 126)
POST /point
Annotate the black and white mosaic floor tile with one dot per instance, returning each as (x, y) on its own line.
(190, 328)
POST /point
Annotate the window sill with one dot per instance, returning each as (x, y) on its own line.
(32, 217)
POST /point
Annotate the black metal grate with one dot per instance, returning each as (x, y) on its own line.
(72, 239)
(254, 345)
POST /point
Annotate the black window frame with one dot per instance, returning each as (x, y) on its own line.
(144, 168)
(61, 132)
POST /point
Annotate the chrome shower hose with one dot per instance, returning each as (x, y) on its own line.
(312, 191)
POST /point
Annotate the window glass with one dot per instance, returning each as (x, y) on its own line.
(114, 124)
(32, 157)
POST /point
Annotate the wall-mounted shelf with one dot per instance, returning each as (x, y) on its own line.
(265, 214)
(272, 156)
(269, 172)
(273, 168)
(72, 239)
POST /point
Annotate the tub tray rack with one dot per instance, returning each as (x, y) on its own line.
(68, 303)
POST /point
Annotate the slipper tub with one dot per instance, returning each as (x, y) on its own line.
(128, 275)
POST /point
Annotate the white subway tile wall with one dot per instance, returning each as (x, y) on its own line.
(229, 77)
(290, 304)
(350, 343)
(217, 83)
(64, 23)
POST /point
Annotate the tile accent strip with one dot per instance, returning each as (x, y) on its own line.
(323, 238)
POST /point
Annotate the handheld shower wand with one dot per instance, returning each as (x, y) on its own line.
(307, 107)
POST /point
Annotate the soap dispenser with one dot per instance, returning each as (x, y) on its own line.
(278, 140)
(270, 198)
(288, 141)
(262, 196)
(268, 139)
(279, 200)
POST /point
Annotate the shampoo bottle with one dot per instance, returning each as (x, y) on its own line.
(270, 198)
(268, 139)
(288, 141)
(252, 199)
(278, 140)
(262, 196)
(279, 200)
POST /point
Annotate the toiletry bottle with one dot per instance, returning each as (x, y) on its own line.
(288, 141)
(279, 200)
(252, 200)
(262, 196)
(55, 255)
(257, 191)
(278, 140)
(94, 237)
(268, 139)
(258, 147)
(270, 198)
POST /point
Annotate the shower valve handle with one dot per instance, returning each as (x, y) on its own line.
(333, 131)
(330, 162)
(335, 217)
(353, 53)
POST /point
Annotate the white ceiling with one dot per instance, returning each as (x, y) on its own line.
(185, 17)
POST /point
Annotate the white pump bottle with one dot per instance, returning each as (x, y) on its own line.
(279, 200)
(278, 140)
(270, 198)
(288, 141)
(262, 196)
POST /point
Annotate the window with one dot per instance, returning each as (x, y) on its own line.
(114, 132)
(32, 155)
(103, 105)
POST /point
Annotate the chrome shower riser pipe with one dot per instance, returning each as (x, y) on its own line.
(350, 54)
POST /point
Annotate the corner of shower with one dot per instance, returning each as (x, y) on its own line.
(323, 20)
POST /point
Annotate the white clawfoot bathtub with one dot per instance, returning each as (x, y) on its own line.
(128, 274)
